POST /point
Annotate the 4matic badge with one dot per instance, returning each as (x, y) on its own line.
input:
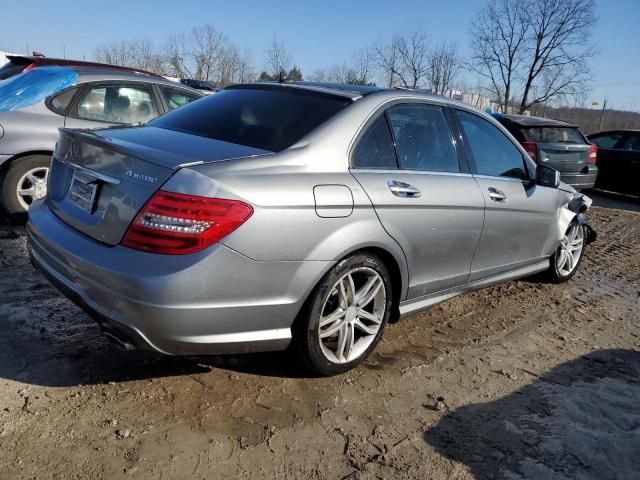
(139, 176)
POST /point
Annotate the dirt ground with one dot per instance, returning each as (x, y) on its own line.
(523, 380)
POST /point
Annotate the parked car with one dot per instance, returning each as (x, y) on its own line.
(36, 103)
(618, 160)
(207, 87)
(557, 144)
(20, 63)
(272, 212)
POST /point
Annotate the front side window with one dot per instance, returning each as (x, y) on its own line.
(118, 103)
(492, 152)
(607, 141)
(375, 148)
(177, 98)
(423, 138)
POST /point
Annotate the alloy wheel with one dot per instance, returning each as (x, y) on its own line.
(570, 249)
(352, 315)
(32, 186)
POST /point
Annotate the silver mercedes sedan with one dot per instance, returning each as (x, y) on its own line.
(305, 214)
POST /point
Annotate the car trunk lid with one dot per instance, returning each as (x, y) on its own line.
(565, 158)
(99, 180)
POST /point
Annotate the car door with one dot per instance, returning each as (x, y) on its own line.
(406, 160)
(625, 164)
(519, 215)
(113, 103)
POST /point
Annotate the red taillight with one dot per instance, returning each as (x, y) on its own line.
(532, 150)
(175, 224)
(29, 67)
(593, 154)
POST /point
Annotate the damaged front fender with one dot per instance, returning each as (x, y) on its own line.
(576, 208)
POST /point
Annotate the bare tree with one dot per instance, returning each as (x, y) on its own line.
(356, 72)
(413, 50)
(404, 60)
(499, 36)
(534, 51)
(557, 49)
(278, 59)
(140, 53)
(176, 57)
(387, 57)
(207, 50)
(443, 67)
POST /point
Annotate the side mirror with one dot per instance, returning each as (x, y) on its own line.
(547, 176)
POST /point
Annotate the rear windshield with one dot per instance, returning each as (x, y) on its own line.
(555, 135)
(268, 119)
(33, 86)
(10, 69)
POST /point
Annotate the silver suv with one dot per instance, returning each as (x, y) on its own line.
(272, 213)
(34, 104)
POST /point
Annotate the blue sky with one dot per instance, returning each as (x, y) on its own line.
(318, 34)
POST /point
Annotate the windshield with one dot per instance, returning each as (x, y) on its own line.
(555, 135)
(265, 118)
(33, 86)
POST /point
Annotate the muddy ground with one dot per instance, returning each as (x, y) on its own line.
(524, 380)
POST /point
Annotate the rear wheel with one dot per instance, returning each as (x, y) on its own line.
(345, 316)
(24, 182)
(567, 258)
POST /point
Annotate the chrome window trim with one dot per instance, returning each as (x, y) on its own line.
(396, 171)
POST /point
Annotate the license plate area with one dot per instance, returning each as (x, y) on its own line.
(83, 190)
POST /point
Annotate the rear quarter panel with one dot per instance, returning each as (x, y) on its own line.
(285, 225)
(33, 129)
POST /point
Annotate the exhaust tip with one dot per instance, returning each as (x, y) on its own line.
(119, 342)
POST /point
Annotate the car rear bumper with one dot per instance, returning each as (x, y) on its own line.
(581, 181)
(215, 301)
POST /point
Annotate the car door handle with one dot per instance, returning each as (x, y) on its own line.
(497, 195)
(403, 190)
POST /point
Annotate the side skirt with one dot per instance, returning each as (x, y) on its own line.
(409, 307)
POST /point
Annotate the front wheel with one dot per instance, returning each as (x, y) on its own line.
(345, 315)
(567, 258)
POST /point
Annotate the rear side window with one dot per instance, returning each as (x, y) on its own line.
(270, 119)
(607, 141)
(555, 135)
(177, 98)
(375, 148)
(423, 138)
(60, 102)
(631, 143)
(118, 103)
(492, 152)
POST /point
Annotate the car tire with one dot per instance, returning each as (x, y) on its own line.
(15, 175)
(345, 315)
(562, 266)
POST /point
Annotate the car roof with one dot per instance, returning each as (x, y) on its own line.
(622, 130)
(353, 92)
(105, 73)
(49, 61)
(528, 121)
